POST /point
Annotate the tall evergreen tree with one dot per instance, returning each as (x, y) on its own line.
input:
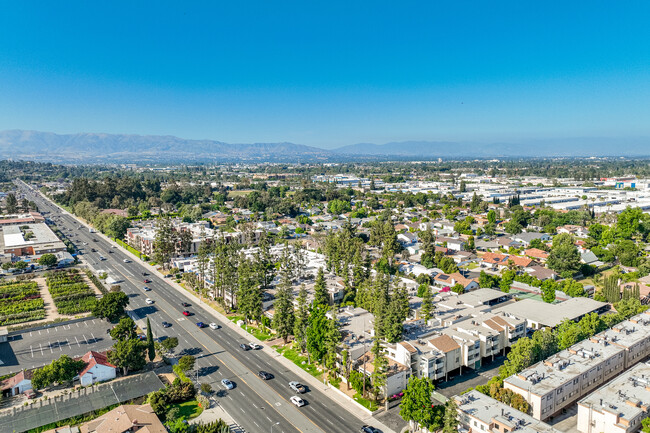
(151, 349)
(380, 367)
(321, 295)
(427, 304)
(283, 314)
(301, 319)
(450, 419)
(164, 243)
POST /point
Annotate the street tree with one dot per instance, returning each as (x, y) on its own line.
(124, 330)
(186, 363)
(301, 320)
(283, 315)
(164, 241)
(111, 306)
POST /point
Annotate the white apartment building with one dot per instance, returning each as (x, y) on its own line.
(480, 413)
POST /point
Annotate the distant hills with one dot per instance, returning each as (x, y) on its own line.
(109, 148)
(122, 148)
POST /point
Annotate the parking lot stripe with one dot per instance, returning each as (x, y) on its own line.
(32, 350)
(51, 351)
(85, 339)
(93, 335)
(39, 345)
(77, 342)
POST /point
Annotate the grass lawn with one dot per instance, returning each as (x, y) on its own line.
(188, 409)
(298, 359)
(258, 333)
(368, 404)
(239, 192)
(472, 266)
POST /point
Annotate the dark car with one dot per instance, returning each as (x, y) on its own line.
(265, 375)
(110, 251)
(166, 324)
(144, 274)
(200, 324)
(369, 429)
(95, 240)
(185, 304)
(245, 346)
(93, 250)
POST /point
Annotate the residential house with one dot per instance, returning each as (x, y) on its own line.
(17, 384)
(527, 237)
(578, 231)
(97, 369)
(536, 254)
(126, 418)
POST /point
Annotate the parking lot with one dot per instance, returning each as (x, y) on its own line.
(35, 348)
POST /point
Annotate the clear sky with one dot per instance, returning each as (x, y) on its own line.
(329, 75)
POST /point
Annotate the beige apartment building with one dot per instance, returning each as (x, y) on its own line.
(619, 406)
(559, 381)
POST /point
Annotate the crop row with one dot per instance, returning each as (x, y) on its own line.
(22, 317)
(21, 307)
(70, 289)
(74, 306)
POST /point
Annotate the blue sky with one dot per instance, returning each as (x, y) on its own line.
(328, 75)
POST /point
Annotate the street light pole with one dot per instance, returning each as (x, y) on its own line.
(273, 425)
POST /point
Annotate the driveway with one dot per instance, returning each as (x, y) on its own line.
(470, 378)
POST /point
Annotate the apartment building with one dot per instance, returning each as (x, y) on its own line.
(480, 413)
(555, 383)
(619, 406)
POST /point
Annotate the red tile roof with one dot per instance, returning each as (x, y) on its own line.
(93, 358)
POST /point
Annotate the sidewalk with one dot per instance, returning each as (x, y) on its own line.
(215, 412)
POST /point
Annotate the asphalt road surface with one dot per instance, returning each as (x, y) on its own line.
(255, 404)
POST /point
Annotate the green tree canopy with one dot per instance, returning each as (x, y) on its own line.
(111, 306)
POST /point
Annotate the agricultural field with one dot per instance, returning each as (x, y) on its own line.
(70, 292)
(20, 301)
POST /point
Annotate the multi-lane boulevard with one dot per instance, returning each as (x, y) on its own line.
(255, 404)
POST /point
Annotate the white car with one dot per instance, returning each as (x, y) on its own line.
(214, 326)
(227, 383)
(148, 301)
(126, 261)
(297, 401)
(254, 346)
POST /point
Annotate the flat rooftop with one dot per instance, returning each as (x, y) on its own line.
(551, 315)
(489, 410)
(13, 237)
(625, 396)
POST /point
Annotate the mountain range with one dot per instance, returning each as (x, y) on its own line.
(123, 148)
